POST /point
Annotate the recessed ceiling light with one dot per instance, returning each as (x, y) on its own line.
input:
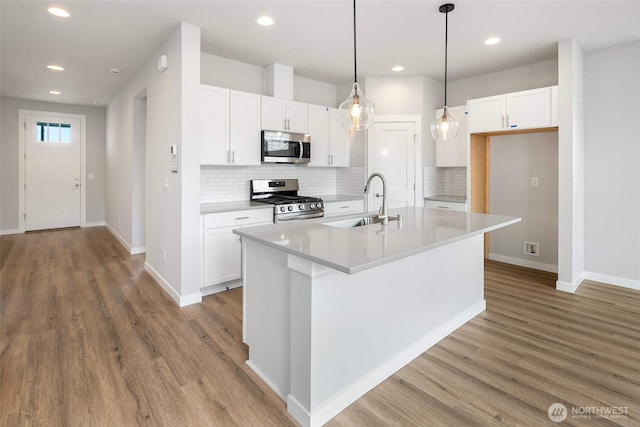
(492, 40)
(397, 68)
(98, 102)
(55, 67)
(55, 92)
(58, 11)
(265, 21)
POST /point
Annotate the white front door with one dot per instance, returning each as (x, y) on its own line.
(392, 153)
(52, 174)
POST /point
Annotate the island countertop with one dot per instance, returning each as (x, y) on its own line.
(352, 250)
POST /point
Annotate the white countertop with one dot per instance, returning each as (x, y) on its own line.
(352, 250)
(446, 198)
(241, 205)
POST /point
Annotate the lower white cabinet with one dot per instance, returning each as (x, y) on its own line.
(343, 207)
(221, 249)
(451, 206)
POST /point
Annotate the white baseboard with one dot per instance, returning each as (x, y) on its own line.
(10, 231)
(118, 237)
(570, 287)
(181, 300)
(334, 406)
(95, 224)
(612, 280)
(524, 263)
(214, 289)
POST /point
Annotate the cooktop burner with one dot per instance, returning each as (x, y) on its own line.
(284, 200)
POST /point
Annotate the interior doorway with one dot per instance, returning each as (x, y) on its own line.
(51, 170)
(393, 149)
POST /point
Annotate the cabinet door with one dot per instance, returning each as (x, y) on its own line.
(245, 129)
(297, 117)
(339, 141)
(274, 113)
(454, 153)
(529, 109)
(319, 131)
(222, 255)
(487, 114)
(214, 125)
(343, 208)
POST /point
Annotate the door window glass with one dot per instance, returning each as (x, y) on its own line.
(53, 132)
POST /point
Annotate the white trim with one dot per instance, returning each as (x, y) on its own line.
(612, 280)
(22, 140)
(10, 231)
(570, 287)
(221, 287)
(524, 262)
(182, 301)
(267, 380)
(118, 237)
(95, 224)
(138, 250)
(368, 382)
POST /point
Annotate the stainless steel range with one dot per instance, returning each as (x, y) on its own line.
(283, 195)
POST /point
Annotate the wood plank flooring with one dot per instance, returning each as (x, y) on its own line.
(88, 338)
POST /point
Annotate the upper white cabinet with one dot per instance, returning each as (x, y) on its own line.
(454, 153)
(245, 129)
(214, 125)
(554, 105)
(284, 115)
(529, 109)
(229, 127)
(329, 140)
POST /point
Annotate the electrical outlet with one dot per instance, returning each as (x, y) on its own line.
(531, 248)
(534, 181)
(164, 256)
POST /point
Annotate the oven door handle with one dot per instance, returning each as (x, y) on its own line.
(304, 216)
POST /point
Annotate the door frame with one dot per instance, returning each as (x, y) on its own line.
(417, 155)
(22, 167)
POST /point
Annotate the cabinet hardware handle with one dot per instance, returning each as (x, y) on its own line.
(242, 217)
(344, 207)
(443, 207)
(233, 156)
(328, 159)
(285, 124)
(288, 124)
(332, 159)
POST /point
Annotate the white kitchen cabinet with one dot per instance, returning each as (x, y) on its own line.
(554, 105)
(229, 127)
(449, 206)
(284, 115)
(222, 250)
(343, 207)
(214, 125)
(245, 139)
(454, 153)
(529, 109)
(329, 140)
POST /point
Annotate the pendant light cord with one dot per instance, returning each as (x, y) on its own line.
(446, 45)
(355, 57)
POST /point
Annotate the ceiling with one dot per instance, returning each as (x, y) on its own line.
(314, 37)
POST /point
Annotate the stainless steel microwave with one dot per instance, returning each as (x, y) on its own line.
(285, 147)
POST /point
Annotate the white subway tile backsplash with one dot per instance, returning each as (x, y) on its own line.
(445, 181)
(351, 180)
(231, 183)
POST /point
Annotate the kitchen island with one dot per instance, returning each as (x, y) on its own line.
(330, 310)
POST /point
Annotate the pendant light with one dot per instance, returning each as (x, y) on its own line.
(356, 112)
(445, 127)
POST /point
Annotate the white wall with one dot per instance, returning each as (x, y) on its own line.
(515, 159)
(571, 166)
(532, 76)
(612, 154)
(95, 188)
(172, 215)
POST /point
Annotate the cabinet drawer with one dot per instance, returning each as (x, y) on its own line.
(339, 208)
(237, 218)
(452, 206)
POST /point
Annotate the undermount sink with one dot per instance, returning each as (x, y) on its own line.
(356, 222)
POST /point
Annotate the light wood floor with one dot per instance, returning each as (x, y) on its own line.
(88, 338)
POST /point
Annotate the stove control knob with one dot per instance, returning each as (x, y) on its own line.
(312, 206)
(290, 208)
(281, 208)
(301, 207)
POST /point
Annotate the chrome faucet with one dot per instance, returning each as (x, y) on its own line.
(383, 215)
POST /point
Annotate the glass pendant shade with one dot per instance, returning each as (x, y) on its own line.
(445, 127)
(356, 112)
